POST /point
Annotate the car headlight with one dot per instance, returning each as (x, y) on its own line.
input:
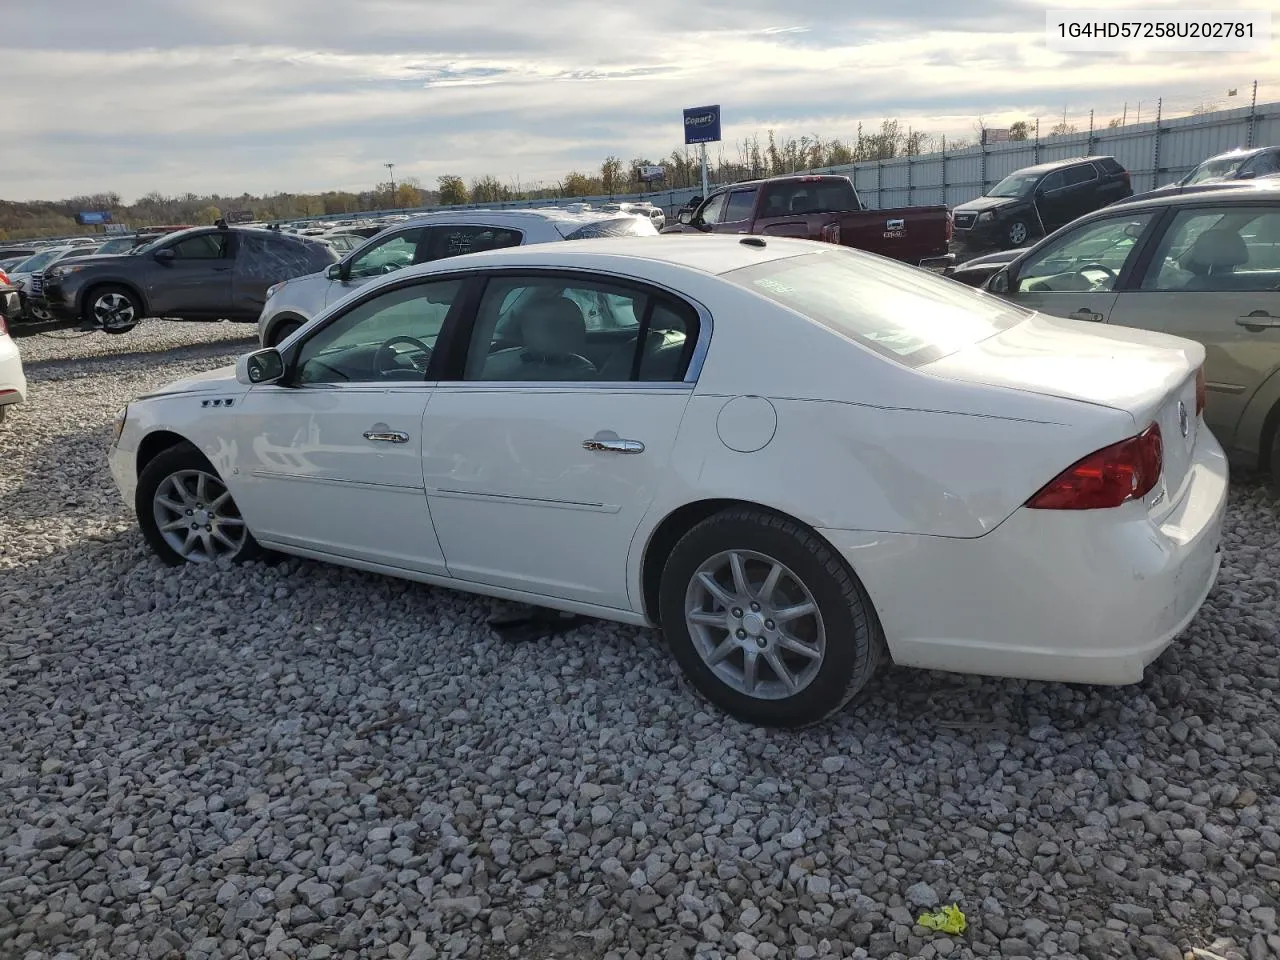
(118, 425)
(53, 273)
(275, 288)
(987, 215)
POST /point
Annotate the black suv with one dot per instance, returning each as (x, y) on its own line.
(1035, 201)
(203, 273)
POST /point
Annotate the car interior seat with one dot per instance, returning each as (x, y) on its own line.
(553, 336)
(1214, 253)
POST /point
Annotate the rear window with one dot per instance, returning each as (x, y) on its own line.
(827, 195)
(626, 226)
(906, 314)
(1109, 165)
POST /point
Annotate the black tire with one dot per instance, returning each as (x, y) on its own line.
(1017, 233)
(854, 640)
(176, 460)
(283, 330)
(111, 308)
(1273, 466)
(4, 412)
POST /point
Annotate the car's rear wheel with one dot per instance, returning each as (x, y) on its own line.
(1273, 480)
(284, 330)
(186, 513)
(112, 309)
(766, 620)
(1017, 233)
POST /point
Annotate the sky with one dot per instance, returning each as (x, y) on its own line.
(264, 96)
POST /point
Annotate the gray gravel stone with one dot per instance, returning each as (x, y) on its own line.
(290, 760)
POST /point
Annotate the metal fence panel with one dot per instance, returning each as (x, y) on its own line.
(1153, 153)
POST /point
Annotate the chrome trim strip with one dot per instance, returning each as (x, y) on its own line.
(523, 501)
(335, 481)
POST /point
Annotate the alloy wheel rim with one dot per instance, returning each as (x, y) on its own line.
(755, 624)
(113, 310)
(1017, 233)
(197, 517)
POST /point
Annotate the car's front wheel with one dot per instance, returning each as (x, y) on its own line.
(766, 620)
(112, 309)
(186, 512)
(1016, 233)
(282, 331)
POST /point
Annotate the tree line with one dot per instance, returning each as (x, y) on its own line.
(746, 159)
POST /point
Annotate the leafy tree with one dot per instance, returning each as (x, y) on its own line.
(611, 175)
(578, 185)
(205, 216)
(1019, 130)
(452, 190)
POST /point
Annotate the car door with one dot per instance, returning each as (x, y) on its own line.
(1052, 202)
(378, 257)
(539, 463)
(1214, 276)
(1079, 274)
(1081, 194)
(330, 460)
(194, 278)
(738, 212)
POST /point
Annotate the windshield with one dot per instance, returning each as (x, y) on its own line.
(901, 312)
(1219, 169)
(1014, 185)
(37, 261)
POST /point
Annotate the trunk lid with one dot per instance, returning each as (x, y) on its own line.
(1151, 376)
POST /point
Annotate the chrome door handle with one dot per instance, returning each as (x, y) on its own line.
(1258, 320)
(1084, 314)
(602, 445)
(387, 436)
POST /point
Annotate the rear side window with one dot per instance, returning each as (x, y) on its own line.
(617, 227)
(816, 195)
(741, 203)
(904, 313)
(1081, 174)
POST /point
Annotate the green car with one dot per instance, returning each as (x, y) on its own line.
(1205, 266)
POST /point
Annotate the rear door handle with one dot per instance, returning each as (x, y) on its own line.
(1085, 314)
(387, 436)
(602, 443)
(1258, 320)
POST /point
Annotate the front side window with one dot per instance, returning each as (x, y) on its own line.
(904, 313)
(1086, 260)
(713, 212)
(204, 246)
(1054, 181)
(1221, 249)
(387, 255)
(1264, 164)
(577, 330)
(389, 337)
(741, 203)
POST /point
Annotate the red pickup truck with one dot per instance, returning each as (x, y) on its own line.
(827, 208)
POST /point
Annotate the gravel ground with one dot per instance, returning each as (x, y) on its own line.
(295, 760)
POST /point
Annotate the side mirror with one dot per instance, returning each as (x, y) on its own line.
(336, 271)
(165, 256)
(686, 217)
(999, 282)
(259, 367)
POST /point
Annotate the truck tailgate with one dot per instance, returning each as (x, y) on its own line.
(911, 234)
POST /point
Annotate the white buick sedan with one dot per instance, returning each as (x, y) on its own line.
(795, 458)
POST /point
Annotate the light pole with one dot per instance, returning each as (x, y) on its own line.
(391, 172)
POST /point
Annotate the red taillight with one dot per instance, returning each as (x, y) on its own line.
(1200, 391)
(1114, 475)
(4, 278)
(831, 233)
(4, 329)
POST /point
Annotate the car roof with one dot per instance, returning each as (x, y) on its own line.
(711, 254)
(1230, 191)
(1243, 152)
(560, 215)
(1053, 165)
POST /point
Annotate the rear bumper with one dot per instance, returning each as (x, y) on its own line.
(1069, 596)
(13, 382)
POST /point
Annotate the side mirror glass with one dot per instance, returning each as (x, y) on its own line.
(335, 272)
(165, 256)
(259, 367)
(999, 282)
(686, 217)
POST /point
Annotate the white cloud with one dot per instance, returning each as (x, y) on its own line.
(291, 95)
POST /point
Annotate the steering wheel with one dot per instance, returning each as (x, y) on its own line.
(1111, 274)
(384, 358)
(389, 267)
